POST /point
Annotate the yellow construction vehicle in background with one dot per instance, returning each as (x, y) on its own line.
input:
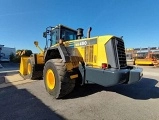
(71, 60)
(147, 58)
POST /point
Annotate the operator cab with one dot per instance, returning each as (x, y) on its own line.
(54, 34)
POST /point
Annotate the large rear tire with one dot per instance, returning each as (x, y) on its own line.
(31, 72)
(57, 79)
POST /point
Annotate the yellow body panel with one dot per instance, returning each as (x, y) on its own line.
(101, 54)
(92, 54)
(23, 65)
(40, 58)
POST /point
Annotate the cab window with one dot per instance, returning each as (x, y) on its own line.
(68, 35)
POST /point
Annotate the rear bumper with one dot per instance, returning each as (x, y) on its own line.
(112, 77)
(135, 75)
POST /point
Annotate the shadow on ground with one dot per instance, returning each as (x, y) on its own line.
(10, 65)
(20, 104)
(143, 90)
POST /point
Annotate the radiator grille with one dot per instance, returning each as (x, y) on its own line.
(121, 52)
(115, 50)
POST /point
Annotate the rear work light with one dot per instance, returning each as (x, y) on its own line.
(153, 59)
(104, 66)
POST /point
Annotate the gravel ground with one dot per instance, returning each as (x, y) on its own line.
(138, 101)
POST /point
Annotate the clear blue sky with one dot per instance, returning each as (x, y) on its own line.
(23, 21)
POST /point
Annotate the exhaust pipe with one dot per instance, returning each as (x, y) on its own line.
(88, 32)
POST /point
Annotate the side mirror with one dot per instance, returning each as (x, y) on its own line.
(44, 34)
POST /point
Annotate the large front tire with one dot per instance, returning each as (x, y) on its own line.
(57, 79)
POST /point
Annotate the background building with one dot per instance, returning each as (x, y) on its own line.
(5, 53)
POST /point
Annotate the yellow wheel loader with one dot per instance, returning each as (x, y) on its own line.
(71, 60)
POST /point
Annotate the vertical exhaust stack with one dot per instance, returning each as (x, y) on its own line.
(79, 33)
(88, 32)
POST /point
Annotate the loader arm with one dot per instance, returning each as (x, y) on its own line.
(37, 45)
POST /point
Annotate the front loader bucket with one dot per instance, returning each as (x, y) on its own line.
(23, 65)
